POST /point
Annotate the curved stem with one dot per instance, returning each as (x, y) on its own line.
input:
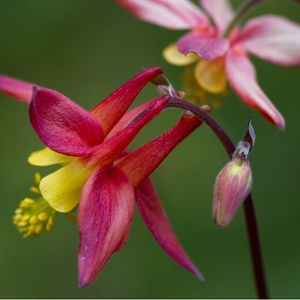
(251, 222)
(240, 12)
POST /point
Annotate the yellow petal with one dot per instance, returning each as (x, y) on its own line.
(174, 57)
(62, 189)
(211, 75)
(47, 157)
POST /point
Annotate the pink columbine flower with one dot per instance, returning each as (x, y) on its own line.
(270, 37)
(96, 171)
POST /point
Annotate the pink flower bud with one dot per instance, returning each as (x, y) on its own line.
(232, 186)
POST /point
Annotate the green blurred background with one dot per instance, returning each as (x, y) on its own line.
(86, 49)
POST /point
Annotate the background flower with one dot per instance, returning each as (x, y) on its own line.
(222, 49)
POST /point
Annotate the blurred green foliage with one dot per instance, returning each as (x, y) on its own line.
(85, 49)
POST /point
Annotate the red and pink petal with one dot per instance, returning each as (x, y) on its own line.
(157, 222)
(113, 147)
(139, 164)
(62, 125)
(111, 109)
(242, 78)
(179, 14)
(105, 214)
(129, 116)
(272, 38)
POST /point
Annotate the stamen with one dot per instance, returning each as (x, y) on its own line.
(33, 216)
(37, 178)
(34, 190)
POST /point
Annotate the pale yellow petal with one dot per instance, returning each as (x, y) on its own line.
(211, 75)
(174, 57)
(62, 189)
(48, 157)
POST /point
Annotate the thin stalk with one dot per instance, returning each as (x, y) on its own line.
(239, 13)
(252, 229)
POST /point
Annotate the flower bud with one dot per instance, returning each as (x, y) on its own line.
(232, 186)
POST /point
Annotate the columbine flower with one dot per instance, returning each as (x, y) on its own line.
(97, 172)
(270, 37)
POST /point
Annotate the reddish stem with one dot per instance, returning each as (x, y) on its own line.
(252, 229)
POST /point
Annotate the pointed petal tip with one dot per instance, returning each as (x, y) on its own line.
(282, 125)
(118, 102)
(220, 225)
(156, 69)
(241, 75)
(278, 120)
(82, 283)
(198, 275)
(282, 129)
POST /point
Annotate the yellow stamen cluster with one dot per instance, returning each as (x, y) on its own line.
(33, 216)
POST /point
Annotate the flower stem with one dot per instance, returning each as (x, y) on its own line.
(239, 13)
(252, 229)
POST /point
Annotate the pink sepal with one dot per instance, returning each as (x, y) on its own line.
(272, 38)
(157, 222)
(139, 164)
(242, 78)
(179, 14)
(112, 108)
(62, 125)
(105, 215)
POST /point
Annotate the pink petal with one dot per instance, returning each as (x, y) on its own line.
(62, 125)
(111, 109)
(220, 11)
(105, 214)
(112, 148)
(242, 78)
(18, 89)
(129, 116)
(157, 222)
(208, 48)
(179, 14)
(139, 164)
(272, 38)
